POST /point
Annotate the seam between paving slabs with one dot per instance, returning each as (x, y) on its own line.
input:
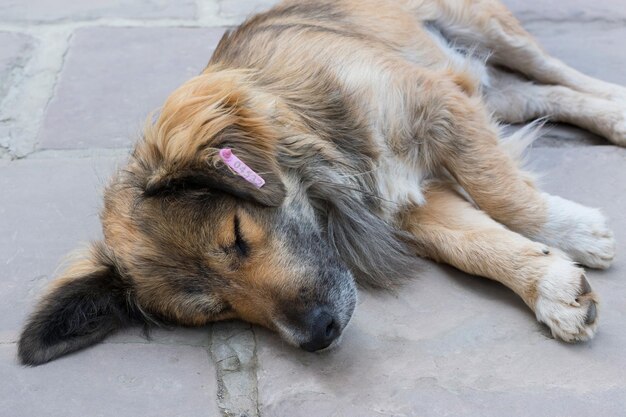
(233, 350)
(23, 107)
(256, 368)
(17, 68)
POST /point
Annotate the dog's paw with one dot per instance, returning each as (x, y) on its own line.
(579, 231)
(566, 303)
(619, 138)
(591, 242)
(617, 132)
(618, 95)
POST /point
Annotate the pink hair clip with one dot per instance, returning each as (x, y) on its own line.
(241, 168)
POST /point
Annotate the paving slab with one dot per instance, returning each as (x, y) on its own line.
(114, 380)
(48, 208)
(15, 50)
(114, 77)
(559, 135)
(449, 344)
(242, 9)
(64, 10)
(570, 10)
(596, 48)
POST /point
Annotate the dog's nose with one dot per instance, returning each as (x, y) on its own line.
(323, 330)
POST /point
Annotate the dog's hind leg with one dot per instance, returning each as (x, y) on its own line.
(487, 25)
(514, 99)
(449, 229)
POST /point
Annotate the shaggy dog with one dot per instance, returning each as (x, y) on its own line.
(372, 126)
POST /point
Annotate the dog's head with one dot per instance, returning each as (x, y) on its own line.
(187, 241)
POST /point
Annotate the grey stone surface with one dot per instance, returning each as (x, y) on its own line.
(114, 77)
(570, 10)
(451, 344)
(233, 350)
(240, 9)
(567, 136)
(112, 380)
(15, 49)
(446, 344)
(48, 208)
(557, 135)
(163, 335)
(63, 10)
(598, 49)
(31, 85)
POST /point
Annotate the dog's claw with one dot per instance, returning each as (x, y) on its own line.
(585, 287)
(591, 314)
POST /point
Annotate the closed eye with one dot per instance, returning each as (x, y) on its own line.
(240, 245)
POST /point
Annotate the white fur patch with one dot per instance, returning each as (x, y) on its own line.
(619, 137)
(399, 183)
(580, 231)
(557, 304)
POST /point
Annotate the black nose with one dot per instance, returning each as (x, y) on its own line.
(323, 330)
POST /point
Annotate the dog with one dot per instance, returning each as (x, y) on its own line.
(330, 143)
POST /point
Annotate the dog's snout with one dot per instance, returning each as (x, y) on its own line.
(324, 329)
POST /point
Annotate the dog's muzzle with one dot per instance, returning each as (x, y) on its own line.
(323, 329)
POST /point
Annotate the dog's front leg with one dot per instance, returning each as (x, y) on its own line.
(451, 230)
(463, 139)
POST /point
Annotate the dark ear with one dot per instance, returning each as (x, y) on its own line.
(83, 306)
(271, 194)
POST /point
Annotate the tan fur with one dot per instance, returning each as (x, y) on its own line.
(451, 230)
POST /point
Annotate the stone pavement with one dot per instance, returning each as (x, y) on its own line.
(76, 82)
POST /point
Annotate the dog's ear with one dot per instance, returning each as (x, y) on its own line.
(83, 306)
(212, 174)
(215, 110)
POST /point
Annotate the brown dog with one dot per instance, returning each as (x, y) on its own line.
(374, 124)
